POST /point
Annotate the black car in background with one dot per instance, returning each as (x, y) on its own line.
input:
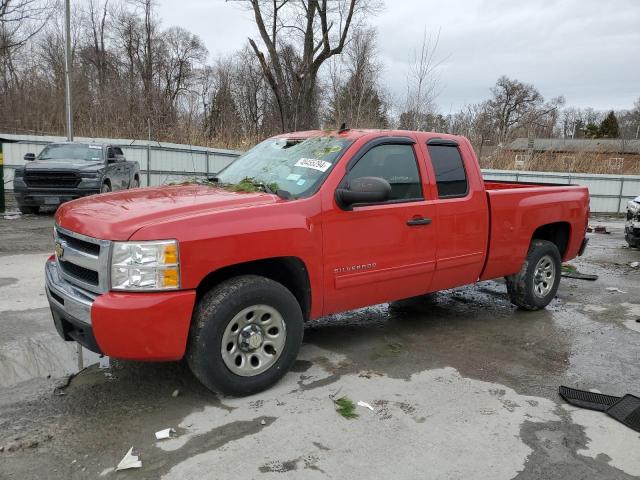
(64, 171)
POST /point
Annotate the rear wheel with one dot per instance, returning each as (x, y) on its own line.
(106, 188)
(537, 282)
(135, 183)
(27, 210)
(246, 334)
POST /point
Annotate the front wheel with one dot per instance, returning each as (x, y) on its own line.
(245, 335)
(535, 285)
(28, 210)
(106, 188)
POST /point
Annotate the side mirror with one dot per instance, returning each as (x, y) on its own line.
(111, 157)
(29, 157)
(364, 190)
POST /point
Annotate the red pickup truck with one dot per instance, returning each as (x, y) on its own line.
(301, 226)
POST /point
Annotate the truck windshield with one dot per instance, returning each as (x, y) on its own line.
(90, 153)
(295, 165)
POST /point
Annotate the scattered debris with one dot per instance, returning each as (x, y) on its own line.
(597, 229)
(129, 461)
(346, 408)
(624, 409)
(634, 264)
(614, 290)
(263, 422)
(103, 362)
(574, 273)
(175, 393)
(164, 434)
(12, 216)
(365, 405)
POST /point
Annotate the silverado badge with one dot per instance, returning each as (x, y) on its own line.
(59, 250)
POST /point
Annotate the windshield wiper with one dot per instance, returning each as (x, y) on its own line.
(284, 194)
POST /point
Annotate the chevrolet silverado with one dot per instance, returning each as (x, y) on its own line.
(226, 273)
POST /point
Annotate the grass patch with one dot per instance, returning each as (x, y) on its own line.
(568, 268)
(346, 408)
(394, 348)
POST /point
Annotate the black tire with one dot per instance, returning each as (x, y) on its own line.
(106, 188)
(136, 183)
(529, 290)
(214, 313)
(27, 210)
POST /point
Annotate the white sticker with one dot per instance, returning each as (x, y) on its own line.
(319, 165)
(294, 177)
(97, 147)
(301, 182)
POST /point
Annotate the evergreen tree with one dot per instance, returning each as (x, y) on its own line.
(609, 126)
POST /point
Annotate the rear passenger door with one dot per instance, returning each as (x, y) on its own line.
(461, 211)
(381, 251)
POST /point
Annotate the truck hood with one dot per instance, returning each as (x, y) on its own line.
(57, 165)
(118, 215)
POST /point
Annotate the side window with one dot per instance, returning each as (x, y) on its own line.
(396, 164)
(118, 150)
(451, 178)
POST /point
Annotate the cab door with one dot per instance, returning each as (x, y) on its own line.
(124, 168)
(111, 171)
(462, 210)
(383, 251)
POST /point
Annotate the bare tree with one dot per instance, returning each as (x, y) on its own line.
(511, 103)
(299, 37)
(356, 96)
(422, 84)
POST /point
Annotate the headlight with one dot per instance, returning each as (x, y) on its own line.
(145, 265)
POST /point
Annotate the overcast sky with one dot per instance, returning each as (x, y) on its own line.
(586, 50)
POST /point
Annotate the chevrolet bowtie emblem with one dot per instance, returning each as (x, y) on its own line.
(59, 250)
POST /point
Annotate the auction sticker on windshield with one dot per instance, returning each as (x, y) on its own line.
(319, 165)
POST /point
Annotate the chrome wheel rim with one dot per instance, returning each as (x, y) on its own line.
(253, 340)
(544, 276)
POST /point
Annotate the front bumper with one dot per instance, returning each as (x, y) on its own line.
(132, 326)
(42, 196)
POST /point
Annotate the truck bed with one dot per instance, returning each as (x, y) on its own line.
(516, 210)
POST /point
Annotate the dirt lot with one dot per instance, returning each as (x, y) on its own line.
(462, 384)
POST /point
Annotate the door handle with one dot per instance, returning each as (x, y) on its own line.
(418, 221)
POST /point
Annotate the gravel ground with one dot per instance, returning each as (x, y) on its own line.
(462, 385)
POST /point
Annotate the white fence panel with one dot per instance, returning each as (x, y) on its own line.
(608, 193)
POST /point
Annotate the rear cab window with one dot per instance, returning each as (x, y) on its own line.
(448, 166)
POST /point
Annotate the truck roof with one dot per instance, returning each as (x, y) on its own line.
(356, 133)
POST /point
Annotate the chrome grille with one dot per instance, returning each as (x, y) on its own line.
(84, 261)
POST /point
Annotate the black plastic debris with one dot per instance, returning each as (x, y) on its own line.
(625, 409)
(580, 276)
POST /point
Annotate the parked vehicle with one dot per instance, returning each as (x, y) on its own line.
(65, 171)
(632, 226)
(301, 226)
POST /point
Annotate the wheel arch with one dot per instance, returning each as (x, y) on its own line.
(288, 271)
(557, 233)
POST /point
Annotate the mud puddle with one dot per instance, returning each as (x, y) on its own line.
(42, 356)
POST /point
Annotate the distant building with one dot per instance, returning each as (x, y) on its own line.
(597, 155)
